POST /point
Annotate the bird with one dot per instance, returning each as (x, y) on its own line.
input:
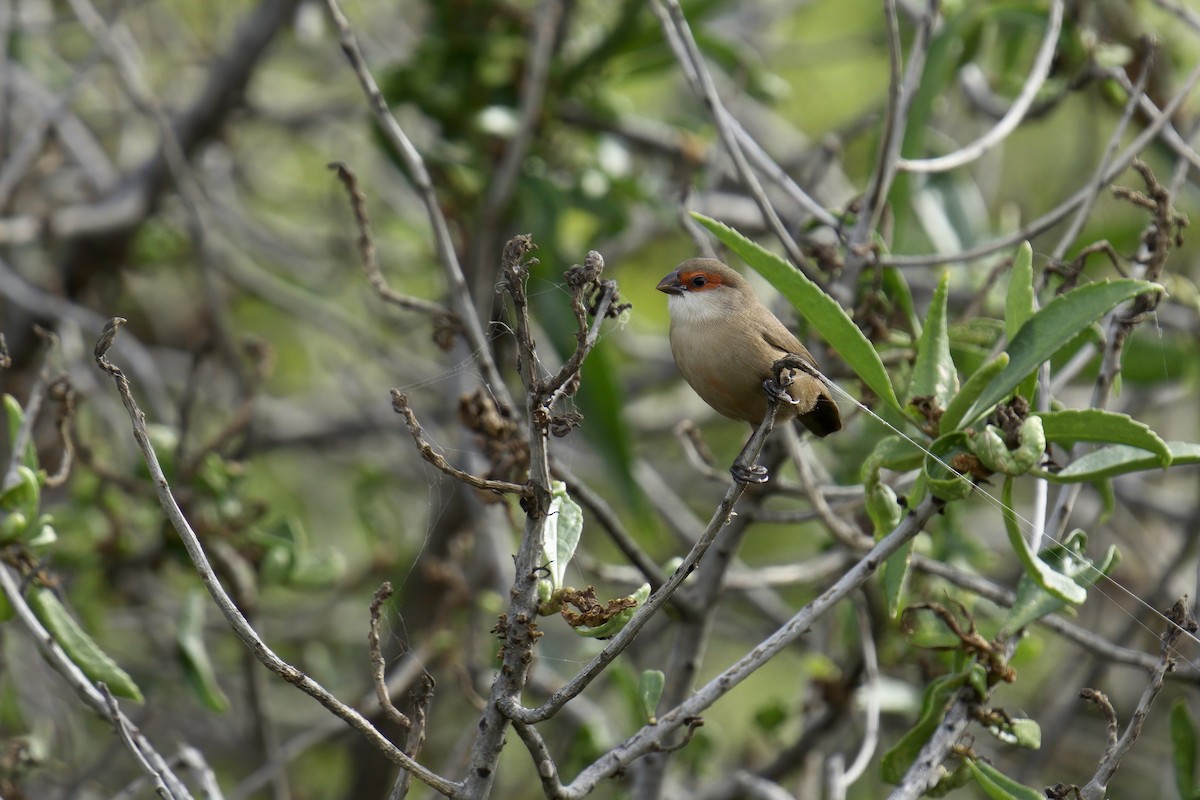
(726, 342)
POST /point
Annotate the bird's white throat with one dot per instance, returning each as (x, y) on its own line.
(704, 308)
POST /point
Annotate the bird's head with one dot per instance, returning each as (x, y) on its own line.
(703, 288)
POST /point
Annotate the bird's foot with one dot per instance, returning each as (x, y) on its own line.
(749, 473)
(778, 393)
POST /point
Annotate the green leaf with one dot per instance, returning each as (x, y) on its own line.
(1020, 305)
(943, 480)
(891, 452)
(16, 415)
(1018, 731)
(1095, 425)
(1183, 749)
(1055, 584)
(80, 648)
(953, 417)
(197, 666)
(895, 578)
(1067, 558)
(563, 529)
(24, 496)
(821, 310)
(650, 689)
(1019, 302)
(900, 757)
(895, 287)
(933, 371)
(1052, 327)
(998, 786)
(1108, 462)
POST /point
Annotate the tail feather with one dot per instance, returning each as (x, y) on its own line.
(823, 418)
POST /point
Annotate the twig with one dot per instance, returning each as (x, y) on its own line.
(1180, 620)
(651, 737)
(543, 762)
(625, 636)
(1113, 728)
(401, 406)
(378, 664)
(153, 764)
(1016, 113)
(518, 627)
(683, 43)
(1058, 213)
(870, 737)
(589, 295)
(162, 780)
(460, 293)
(366, 252)
(544, 39)
(230, 611)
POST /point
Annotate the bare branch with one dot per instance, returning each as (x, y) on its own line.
(460, 294)
(366, 251)
(1033, 83)
(401, 406)
(230, 611)
(1181, 621)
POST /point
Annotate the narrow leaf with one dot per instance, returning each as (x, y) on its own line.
(900, 757)
(1095, 425)
(650, 689)
(998, 786)
(79, 647)
(934, 374)
(1183, 749)
(563, 529)
(895, 578)
(822, 311)
(1019, 306)
(1018, 303)
(1066, 558)
(1052, 327)
(970, 392)
(1056, 584)
(197, 665)
(1120, 459)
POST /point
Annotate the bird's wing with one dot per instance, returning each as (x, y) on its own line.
(776, 335)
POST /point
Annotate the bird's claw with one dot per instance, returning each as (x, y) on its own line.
(749, 473)
(778, 393)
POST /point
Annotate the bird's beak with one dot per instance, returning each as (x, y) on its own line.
(671, 284)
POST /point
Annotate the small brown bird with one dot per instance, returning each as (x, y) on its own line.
(726, 342)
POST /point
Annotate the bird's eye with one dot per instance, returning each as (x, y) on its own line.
(699, 281)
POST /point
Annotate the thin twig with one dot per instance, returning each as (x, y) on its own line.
(683, 43)
(1059, 212)
(652, 736)
(378, 663)
(460, 293)
(370, 263)
(1180, 621)
(1016, 113)
(154, 765)
(401, 406)
(232, 614)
